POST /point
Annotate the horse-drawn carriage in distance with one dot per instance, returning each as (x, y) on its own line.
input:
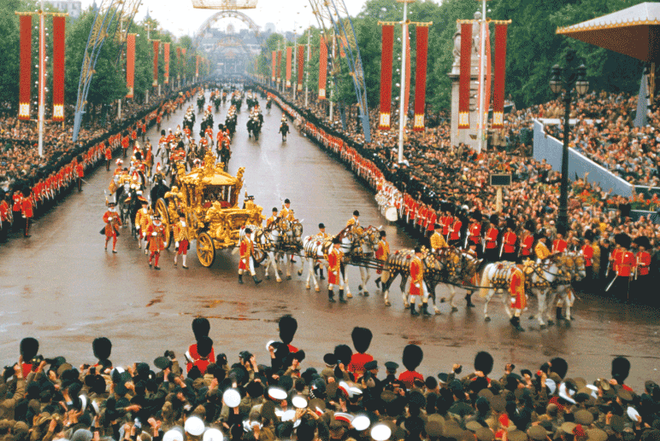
(208, 198)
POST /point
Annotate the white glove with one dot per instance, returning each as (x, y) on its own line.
(176, 244)
(154, 234)
(417, 285)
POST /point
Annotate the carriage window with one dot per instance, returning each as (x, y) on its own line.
(220, 194)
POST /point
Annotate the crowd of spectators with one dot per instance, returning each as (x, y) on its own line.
(349, 395)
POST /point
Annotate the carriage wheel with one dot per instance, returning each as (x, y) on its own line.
(205, 250)
(161, 208)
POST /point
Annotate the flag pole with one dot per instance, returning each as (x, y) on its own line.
(482, 76)
(42, 71)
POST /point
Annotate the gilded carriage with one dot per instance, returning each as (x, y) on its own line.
(208, 198)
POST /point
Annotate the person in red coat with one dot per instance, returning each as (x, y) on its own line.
(201, 328)
(412, 358)
(26, 210)
(108, 157)
(80, 172)
(417, 285)
(156, 238)
(112, 221)
(361, 341)
(643, 258)
(334, 271)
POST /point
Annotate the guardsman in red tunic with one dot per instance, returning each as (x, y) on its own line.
(181, 239)
(474, 233)
(417, 285)
(108, 157)
(27, 209)
(588, 253)
(80, 172)
(334, 271)
(382, 252)
(624, 264)
(112, 222)
(156, 238)
(125, 143)
(643, 263)
(455, 233)
(526, 245)
(518, 298)
(491, 250)
(17, 198)
(559, 245)
(247, 261)
(5, 219)
(509, 242)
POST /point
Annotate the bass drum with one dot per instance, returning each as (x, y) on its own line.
(391, 214)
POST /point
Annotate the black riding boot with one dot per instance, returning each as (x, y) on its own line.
(240, 279)
(331, 296)
(412, 310)
(468, 298)
(321, 273)
(256, 281)
(515, 322)
(425, 309)
(341, 296)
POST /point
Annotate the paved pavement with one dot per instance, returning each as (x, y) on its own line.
(62, 288)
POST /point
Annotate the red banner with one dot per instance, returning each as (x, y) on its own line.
(166, 60)
(386, 78)
(279, 66)
(289, 57)
(274, 65)
(196, 66)
(130, 65)
(323, 67)
(301, 65)
(464, 82)
(59, 53)
(25, 80)
(420, 76)
(156, 46)
(500, 74)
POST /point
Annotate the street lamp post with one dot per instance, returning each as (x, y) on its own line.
(566, 80)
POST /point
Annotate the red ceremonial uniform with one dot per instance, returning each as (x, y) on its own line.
(475, 232)
(416, 276)
(626, 261)
(559, 246)
(455, 232)
(491, 238)
(356, 366)
(156, 237)
(643, 262)
(80, 170)
(26, 208)
(408, 378)
(334, 265)
(194, 355)
(245, 252)
(526, 244)
(614, 258)
(112, 221)
(509, 242)
(588, 254)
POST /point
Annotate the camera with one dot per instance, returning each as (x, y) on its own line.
(37, 359)
(458, 370)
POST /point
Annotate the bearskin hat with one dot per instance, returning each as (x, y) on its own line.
(510, 223)
(623, 240)
(343, 354)
(201, 327)
(494, 219)
(483, 362)
(361, 339)
(559, 366)
(102, 348)
(530, 225)
(589, 235)
(29, 348)
(204, 346)
(643, 241)
(620, 369)
(287, 327)
(412, 357)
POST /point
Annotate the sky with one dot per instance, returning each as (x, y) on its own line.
(180, 18)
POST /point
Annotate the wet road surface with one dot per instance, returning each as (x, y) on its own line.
(62, 288)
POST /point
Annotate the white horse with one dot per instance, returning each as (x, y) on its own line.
(553, 280)
(315, 250)
(288, 240)
(500, 277)
(460, 268)
(359, 246)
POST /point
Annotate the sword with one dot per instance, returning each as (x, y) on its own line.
(611, 283)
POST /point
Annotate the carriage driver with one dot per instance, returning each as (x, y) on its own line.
(247, 261)
(438, 242)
